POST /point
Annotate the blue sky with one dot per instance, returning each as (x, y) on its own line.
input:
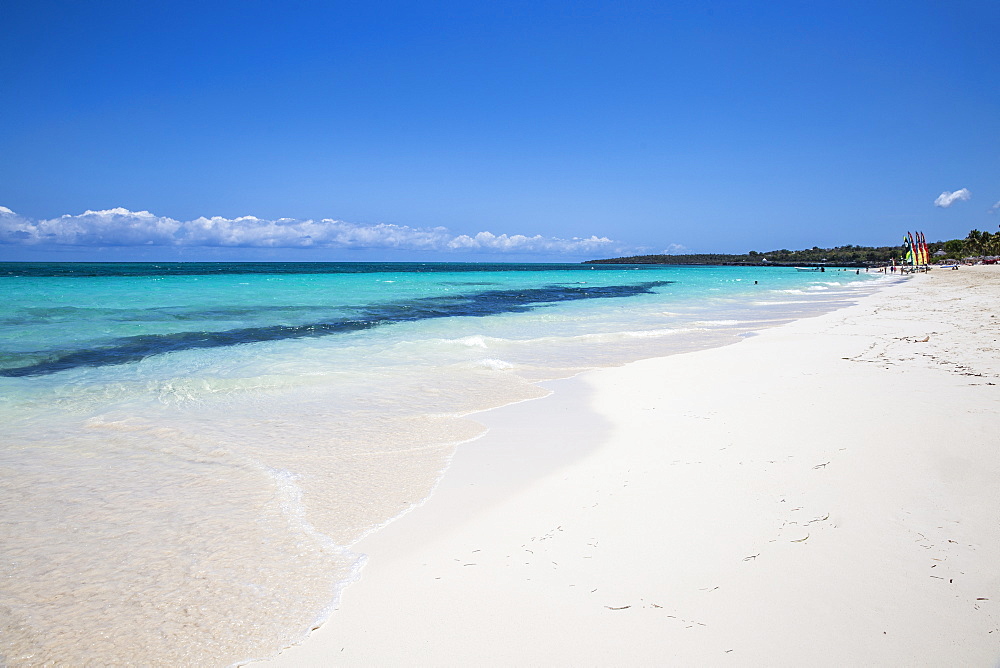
(506, 130)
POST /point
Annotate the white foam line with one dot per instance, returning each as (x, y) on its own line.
(293, 508)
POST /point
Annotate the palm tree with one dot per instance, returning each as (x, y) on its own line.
(992, 246)
(975, 243)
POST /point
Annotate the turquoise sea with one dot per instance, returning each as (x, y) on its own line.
(190, 450)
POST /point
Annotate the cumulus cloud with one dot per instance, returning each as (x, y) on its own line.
(121, 227)
(995, 208)
(521, 243)
(946, 198)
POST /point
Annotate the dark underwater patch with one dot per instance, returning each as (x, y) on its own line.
(490, 302)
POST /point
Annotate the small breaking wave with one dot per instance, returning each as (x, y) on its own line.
(495, 364)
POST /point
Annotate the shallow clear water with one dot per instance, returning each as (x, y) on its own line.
(189, 450)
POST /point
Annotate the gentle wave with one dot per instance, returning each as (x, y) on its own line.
(230, 479)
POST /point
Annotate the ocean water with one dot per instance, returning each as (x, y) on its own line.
(190, 450)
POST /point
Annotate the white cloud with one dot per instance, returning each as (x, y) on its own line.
(121, 227)
(521, 243)
(995, 208)
(674, 249)
(946, 198)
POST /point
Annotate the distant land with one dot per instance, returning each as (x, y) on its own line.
(841, 256)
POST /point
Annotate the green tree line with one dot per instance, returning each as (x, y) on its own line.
(976, 244)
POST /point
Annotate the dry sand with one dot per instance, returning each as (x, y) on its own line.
(824, 493)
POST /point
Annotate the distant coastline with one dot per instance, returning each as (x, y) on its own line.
(702, 260)
(844, 256)
(977, 245)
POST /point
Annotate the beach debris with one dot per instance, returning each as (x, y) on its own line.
(819, 519)
(982, 599)
(752, 556)
(624, 607)
(821, 466)
(923, 340)
(801, 540)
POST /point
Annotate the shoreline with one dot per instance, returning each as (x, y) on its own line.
(779, 505)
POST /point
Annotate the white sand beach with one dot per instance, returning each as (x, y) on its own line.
(823, 493)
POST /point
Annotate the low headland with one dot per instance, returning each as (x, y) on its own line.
(976, 247)
(847, 256)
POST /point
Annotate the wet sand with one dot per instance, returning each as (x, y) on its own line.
(823, 493)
